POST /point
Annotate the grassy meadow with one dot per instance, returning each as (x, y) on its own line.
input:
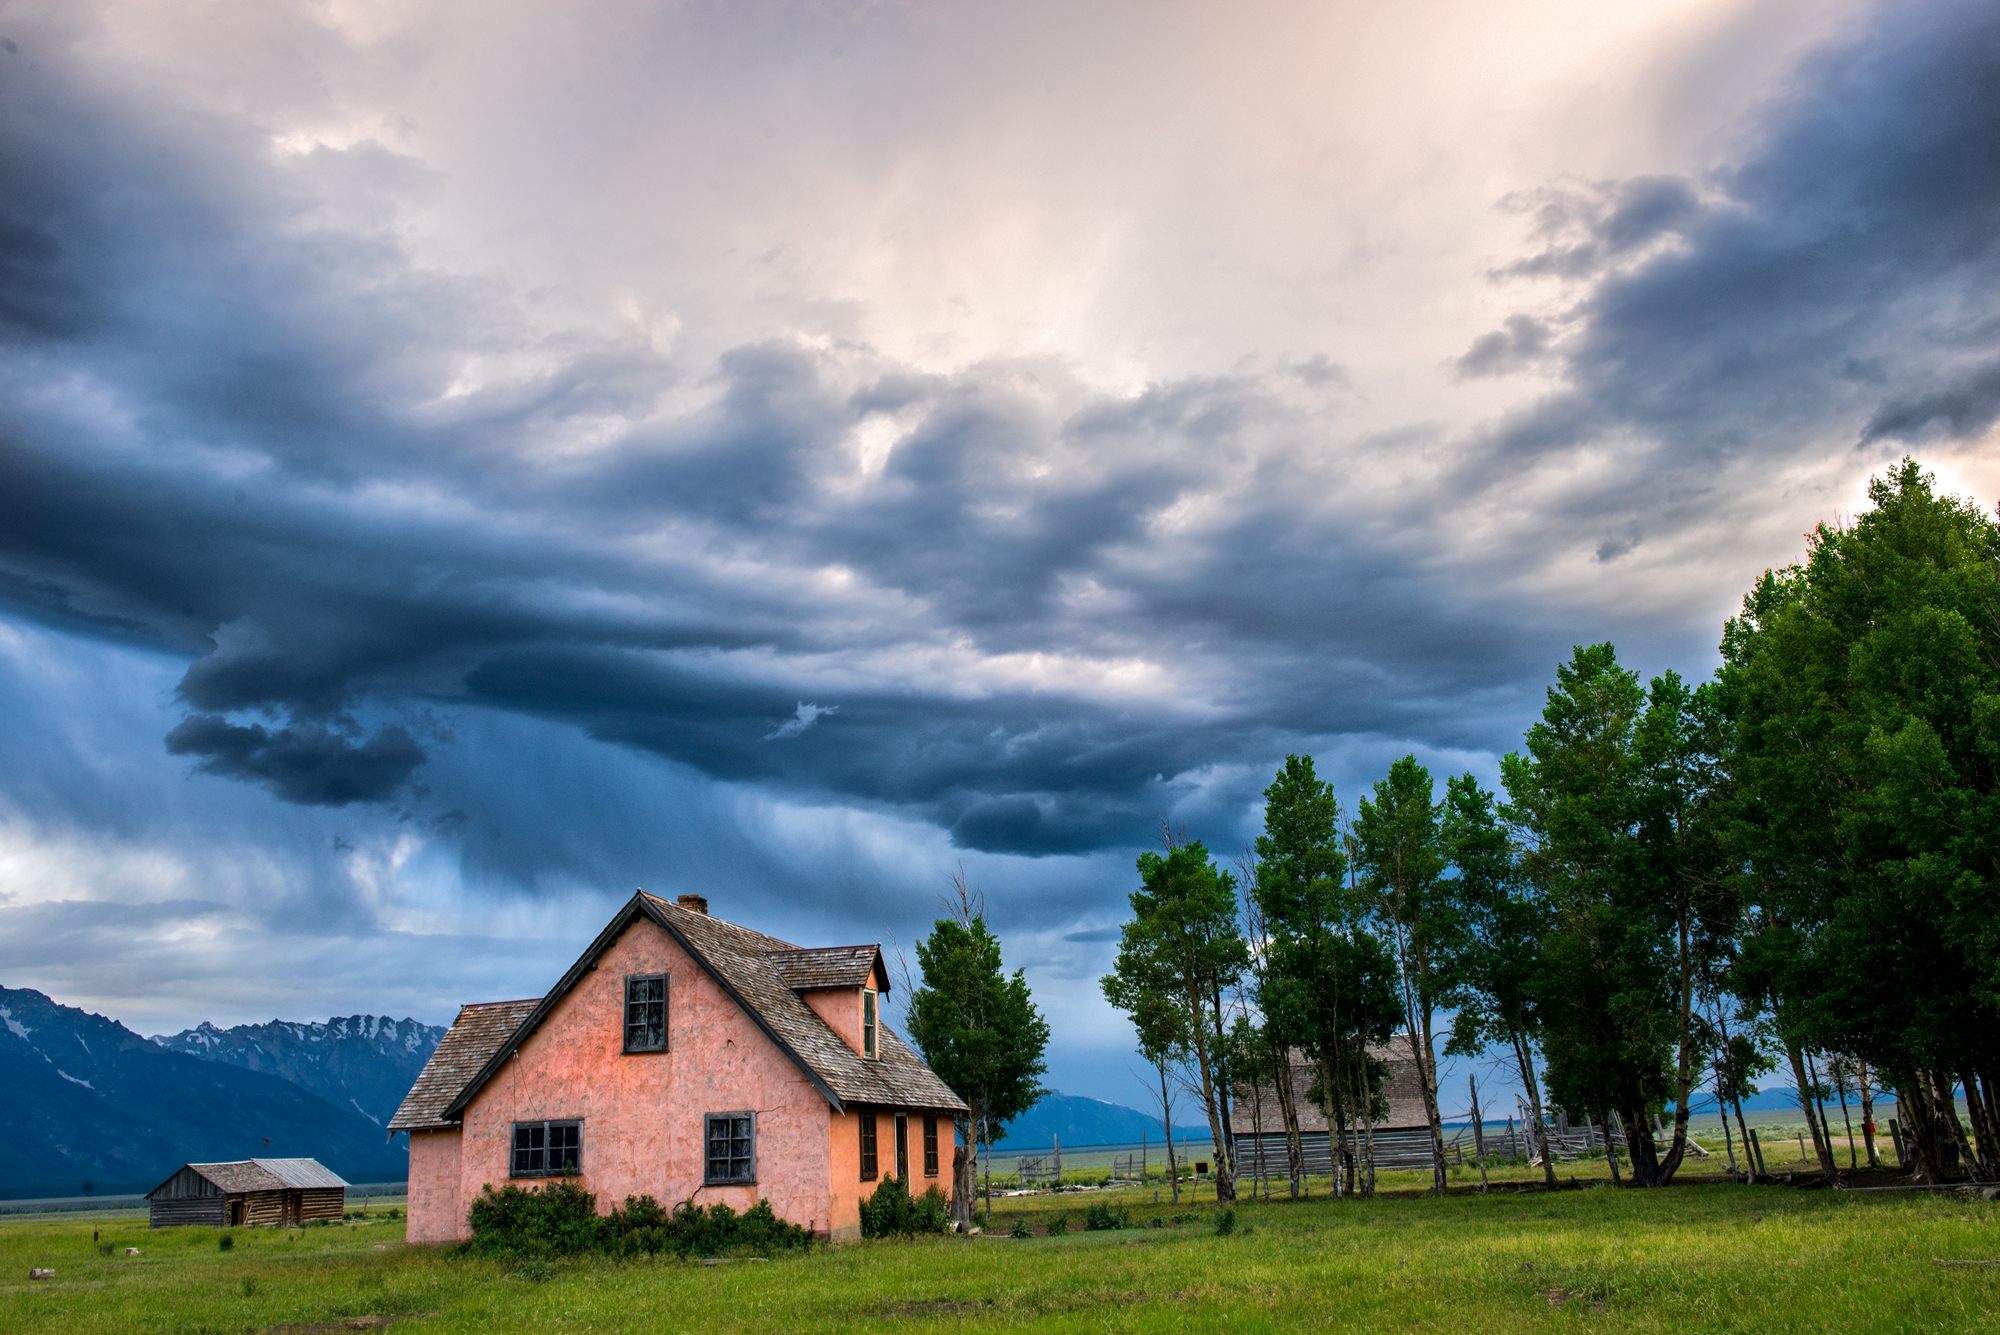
(1710, 1256)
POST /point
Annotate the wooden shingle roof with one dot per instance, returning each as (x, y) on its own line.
(828, 968)
(762, 974)
(474, 1037)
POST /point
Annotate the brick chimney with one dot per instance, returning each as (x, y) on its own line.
(694, 904)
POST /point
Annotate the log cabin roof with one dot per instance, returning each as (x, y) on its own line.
(1249, 1107)
(479, 1032)
(762, 974)
(247, 1175)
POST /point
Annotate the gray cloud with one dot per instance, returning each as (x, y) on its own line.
(313, 765)
(1041, 607)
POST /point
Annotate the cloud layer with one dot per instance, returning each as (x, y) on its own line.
(395, 486)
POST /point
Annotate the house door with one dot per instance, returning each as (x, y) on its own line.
(236, 1213)
(903, 1150)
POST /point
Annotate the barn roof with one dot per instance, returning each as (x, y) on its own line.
(479, 1032)
(762, 974)
(245, 1175)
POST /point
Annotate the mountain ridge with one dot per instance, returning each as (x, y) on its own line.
(363, 1062)
(95, 1107)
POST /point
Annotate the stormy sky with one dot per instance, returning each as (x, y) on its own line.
(460, 462)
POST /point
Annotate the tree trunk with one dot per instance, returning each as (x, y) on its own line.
(1167, 1117)
(1982, 1127)
(1955, 1129)
(1225, 1185)
(1825, 1151)
(1367, 1106)
(1922, 1148)
(1288, 1108)
(1526, 1059)
(1610, 1149)
(1866, 1080)
(964, 1184)
(1684, 1066)
(1744, 1128)
(1427, 1072)
(1848, 1122)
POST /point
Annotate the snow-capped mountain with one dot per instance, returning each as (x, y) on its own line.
(92, 1106)
(362, 1062)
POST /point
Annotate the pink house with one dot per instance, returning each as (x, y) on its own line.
(682, 1057)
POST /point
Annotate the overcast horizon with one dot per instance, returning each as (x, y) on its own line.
(462, 462)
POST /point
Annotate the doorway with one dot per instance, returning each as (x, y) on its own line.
(236, 1212)
(903, 1150)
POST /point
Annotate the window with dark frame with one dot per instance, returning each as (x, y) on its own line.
(903, 1149)
(930, 1147)
(868, 1166)
(732, 1148)
(869, 1047)
(646, 1013)
(547, 1149)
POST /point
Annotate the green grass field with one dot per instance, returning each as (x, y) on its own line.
(1696, 1257)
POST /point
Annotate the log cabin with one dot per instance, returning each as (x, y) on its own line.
(683, 1058)
(280, 1193)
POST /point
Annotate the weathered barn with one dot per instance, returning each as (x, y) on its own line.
(1402, 1139)
(277, 1192)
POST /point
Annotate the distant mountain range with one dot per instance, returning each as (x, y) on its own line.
(1080, 1121)
(363, 1062)
(92, 1106)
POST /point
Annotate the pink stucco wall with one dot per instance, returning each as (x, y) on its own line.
(642, 1113)
(841, 1009)
(435, 1211)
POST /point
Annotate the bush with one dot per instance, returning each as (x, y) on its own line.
(1020, 1230)
(1059, 1225)
(226, 1241)
(1102, 1215)
(562, 1220)
(1225, 1222)
(892, 1212)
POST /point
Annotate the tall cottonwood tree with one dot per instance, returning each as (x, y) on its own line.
(978, 1028)
(1863, 690)
(1180, 954)
(1493, 974)
(1398, 847)
(1597, 806)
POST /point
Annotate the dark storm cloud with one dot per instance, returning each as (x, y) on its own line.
(242, 434)
(314, 765)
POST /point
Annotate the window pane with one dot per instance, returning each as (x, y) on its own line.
(646, 1013)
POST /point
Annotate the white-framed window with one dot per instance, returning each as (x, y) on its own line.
(731, 1148)
(646, 1013)
(870, 1048)
(547, 1149)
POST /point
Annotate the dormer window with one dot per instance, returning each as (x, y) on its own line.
(868, 1044)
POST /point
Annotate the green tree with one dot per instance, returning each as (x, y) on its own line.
(1493, 975)
(1300, 907)
(1181, 952)
(978, 1028)
(1399, 850)
(1863, 687)
(1604, 995)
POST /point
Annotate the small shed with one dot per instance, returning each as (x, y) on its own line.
(278, 1192)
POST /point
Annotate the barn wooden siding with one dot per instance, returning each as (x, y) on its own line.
(189, 1198)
